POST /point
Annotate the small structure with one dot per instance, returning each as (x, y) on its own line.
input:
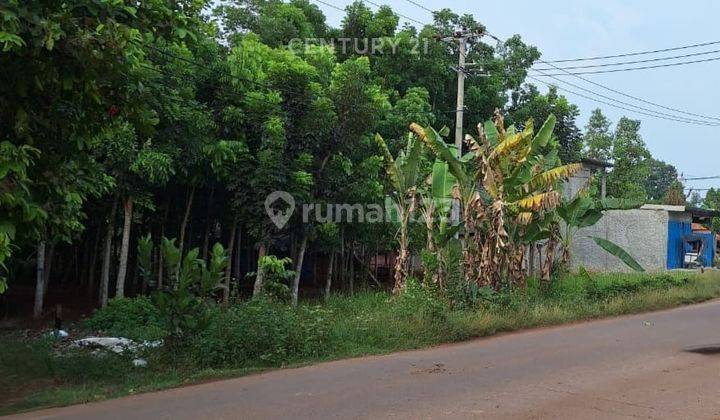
(659, 237)
(590, 168)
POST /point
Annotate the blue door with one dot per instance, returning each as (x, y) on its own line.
(675, 251)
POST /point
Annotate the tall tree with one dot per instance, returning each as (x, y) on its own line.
(598, 138)
(632, 158)
(661, 177)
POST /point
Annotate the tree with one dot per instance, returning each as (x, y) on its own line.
(632, 158)
(529, 103)
(695, 199)
(598, 138)
(661, 177)
(675, 195)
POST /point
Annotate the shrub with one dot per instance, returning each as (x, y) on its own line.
(260, 332)
(419, 300)
(134, 318)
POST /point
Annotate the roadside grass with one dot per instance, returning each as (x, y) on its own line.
(251, 337)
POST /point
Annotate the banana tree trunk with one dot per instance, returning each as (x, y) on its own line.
(107, 254)
(298, 269)
(260, 277)
(40, 281)
(401, 261)
(124, 248)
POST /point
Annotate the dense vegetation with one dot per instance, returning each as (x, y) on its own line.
(122, 120)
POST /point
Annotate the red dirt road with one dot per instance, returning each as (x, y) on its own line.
(625, 367)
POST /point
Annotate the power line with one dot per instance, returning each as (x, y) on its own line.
(663, 114)
(549, 63)
(420, 6)
(651, 113)
(613, 105)
(621, 63)
(628, 95)
(697, 178)
(603, 57)
(643, 67)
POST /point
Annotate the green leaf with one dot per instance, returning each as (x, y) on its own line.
(491, 133)
(543, 135)
(617, 251)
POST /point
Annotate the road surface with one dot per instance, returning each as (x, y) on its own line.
(630, 367)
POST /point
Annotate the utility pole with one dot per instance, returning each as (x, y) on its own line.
(460, 107)
(462, 38)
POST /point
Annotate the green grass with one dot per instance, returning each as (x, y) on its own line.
(251, 337)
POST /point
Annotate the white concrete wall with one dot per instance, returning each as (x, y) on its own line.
(641, 232)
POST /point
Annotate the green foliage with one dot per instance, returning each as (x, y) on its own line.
(617, 251)
(631, 159)
(260, 332)
(277, 276)
(185, 301)
(598, 137)
(134, 318)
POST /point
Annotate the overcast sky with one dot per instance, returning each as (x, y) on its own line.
(570, 29)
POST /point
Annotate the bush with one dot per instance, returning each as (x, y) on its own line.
(419, 300)
(259, 333)
(133, 318)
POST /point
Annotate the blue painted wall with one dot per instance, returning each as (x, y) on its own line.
(676, 230)
(709, 252)
(675, 251)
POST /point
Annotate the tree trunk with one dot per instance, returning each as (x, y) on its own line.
(93, 264)
(186, 217)
(48, 266)
(228, 268)
(351, 276)
(107, 254)
(328, 280)
(40, 281)
(208, 225)
(298, 269)
(124, 248)
(260, 277)
(161, 263)
(238, 251)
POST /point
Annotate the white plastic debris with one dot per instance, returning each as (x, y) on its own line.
(61, 334)
(113, 344)
(139, 362)
(116, 344)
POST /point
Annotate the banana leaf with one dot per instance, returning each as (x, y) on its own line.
(617, 251)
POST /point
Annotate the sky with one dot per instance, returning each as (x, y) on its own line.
(571, 29)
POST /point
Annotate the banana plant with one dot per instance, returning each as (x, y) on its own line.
(403, 174)
(508, 180)
(436, 206)
(583, 211)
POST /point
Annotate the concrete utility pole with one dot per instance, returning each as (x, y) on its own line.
(462, 38)
(460, 107)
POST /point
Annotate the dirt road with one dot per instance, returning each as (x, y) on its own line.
(633, 366)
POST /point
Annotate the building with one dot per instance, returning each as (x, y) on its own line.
(659, 237)
(590, 168)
